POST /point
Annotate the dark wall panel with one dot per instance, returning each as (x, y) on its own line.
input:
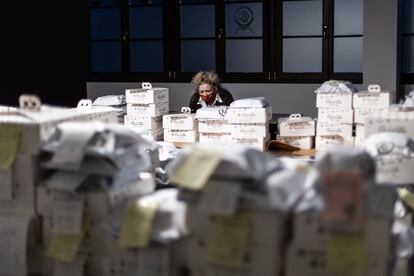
(43, 50)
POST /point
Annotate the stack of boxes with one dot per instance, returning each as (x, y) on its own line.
(180, 128)
(249, 126)
(78, 197)
(366, 103)
(23, 132)
(213, 126)
(226, 233)
(330, 240)
(145, 108)
(297, 131)
(335, 119)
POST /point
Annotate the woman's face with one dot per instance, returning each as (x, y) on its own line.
(206, 92)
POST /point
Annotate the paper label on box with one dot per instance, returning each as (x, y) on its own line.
(144, 122)
(215, 138)
(179, 121)
(67, 216)
(334, 100)
(361, 114)
(297, 128)
(372, 99)
(137, 224)
(6, 184)
(146, 96)
(214, 126)
(188, 136)
(395, 171)
(249, 115)
(229, 239)
(220, 198)
(13, 245)
(297, 141)
(9, 144)
(64, 247)
(329, 128)
(194, 171)
(342, 194)
(345, 254)
(336, 115)
(249, 130)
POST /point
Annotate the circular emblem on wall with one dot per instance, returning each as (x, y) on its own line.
(243, 17)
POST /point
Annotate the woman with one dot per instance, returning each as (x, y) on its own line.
(208, 91)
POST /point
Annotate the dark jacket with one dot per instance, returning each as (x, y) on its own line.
(224, 94)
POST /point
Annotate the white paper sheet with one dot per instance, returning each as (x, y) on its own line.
(72, 143)
(220, 198)
(67, 216)
(13, 245)
(65, 181)
(6, 184)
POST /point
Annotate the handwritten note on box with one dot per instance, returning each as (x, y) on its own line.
(334, 100)
(395, 171)
(249, 115)
(146, 96)
(339, 115)
(249, 130)
(215, 138)
(67, 216)
(392, 119)
(186, 136)
(332, 128)
(214, 126)
(149, 110)
(180, 121)
(297, 141)
(329, 142)
(143, 122)
(373, 99)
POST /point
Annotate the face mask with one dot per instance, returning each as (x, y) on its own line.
(207, 98)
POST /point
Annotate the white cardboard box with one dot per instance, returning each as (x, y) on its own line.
(146, 96)
(150, 110)
(24, 175)
(332, 128)
(36, 127)
(361, 113)
(298, 141)
(180, 121)
(259, 143)
(249, 130)
(373, 98)
(395, 171)
(296, 127)
(329, 142)
(214, 126)
(185, 136)
(392, 119)
(339, 115)
(334, 100)
(215, 138)
(143, 122)
(249, 115)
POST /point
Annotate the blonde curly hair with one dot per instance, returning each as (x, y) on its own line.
(210, 78)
